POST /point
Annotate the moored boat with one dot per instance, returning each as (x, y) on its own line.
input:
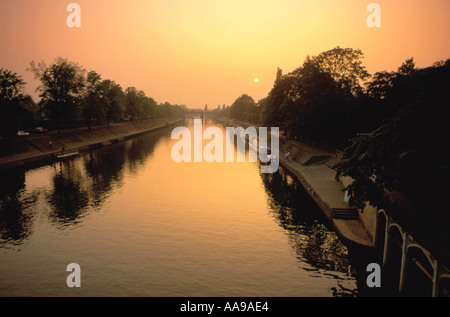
(64, 155)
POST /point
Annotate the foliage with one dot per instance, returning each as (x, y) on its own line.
(16, 107)
(393, 131)
(11, 85)
(61, 88)
(68, 92)
(344, 65)
(407, 154)
(245, 109)
(113, 100)
(133, 102)
(93, 98)
(318, 100)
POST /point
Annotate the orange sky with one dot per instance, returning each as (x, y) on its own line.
(198, 52)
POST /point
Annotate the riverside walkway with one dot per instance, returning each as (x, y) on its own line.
(35, 148)
(312, 167)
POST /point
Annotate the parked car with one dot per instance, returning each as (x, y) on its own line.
(40, 130)
(22, 133)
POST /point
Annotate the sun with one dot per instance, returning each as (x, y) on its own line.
(256, 80)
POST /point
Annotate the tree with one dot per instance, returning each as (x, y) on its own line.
(93, 99)
(314, 108)
(244, 108)
(61, 87)
(270, 114)
(113, 100)
(306, 103)
(345, 66)
(407, 68)
(14, 110)
(380, 84)
(148, 106)
(406, 156)
(279, 73)
(319, 100)
(386, 84)
(390, 91)
(133, 99)
(11, 85)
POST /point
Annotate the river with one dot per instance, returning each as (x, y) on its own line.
(140, 224)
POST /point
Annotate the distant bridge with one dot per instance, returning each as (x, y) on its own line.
(194, 114)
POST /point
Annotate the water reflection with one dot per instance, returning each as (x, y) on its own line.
(131, 201)
(138, 150)
(312, 240)
(105, 169)
(16, 216)
(78, 186)
(68, 200)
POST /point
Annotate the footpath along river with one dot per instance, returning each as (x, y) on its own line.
(139, 224)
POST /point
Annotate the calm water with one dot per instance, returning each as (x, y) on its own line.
(139, 224)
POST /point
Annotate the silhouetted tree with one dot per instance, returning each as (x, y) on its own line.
(308, 103)
(380, 84)
(133, 99)
(11, 85)
(62, 83)
(113, 100)
(345, 66)
(390, 91)
(93, 99)
(149, 108)
(244, 108)
(279, 74)
(271, 114)
(15, 105)
(407, 154)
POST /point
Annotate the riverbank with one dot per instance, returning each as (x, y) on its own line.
(312, 167)
(39, 147)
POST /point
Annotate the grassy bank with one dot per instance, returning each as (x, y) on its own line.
(18, 151)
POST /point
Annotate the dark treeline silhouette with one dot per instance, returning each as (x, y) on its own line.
(403, 165)
(391, 127)
(320, 101)
(245, 109)
(71, 97)
(16, 108)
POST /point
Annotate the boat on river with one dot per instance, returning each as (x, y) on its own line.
(64, 155)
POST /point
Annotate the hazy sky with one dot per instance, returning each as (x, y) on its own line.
(198, 52)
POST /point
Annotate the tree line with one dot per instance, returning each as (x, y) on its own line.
(320, 102)
(391, 128)
(402, 165)
(71, 96)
